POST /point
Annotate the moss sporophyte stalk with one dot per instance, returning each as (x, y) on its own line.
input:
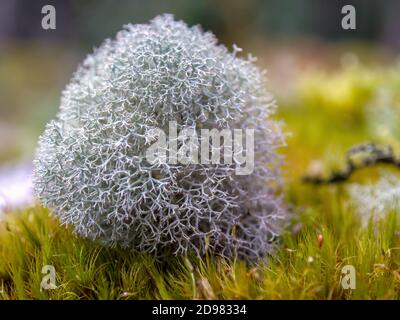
(91, 167)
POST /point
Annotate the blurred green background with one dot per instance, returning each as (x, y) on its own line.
(324, 78)
(289, 37)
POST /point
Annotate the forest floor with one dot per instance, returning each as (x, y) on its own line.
(330, 230)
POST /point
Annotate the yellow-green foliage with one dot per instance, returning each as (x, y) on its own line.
(330, 111)
(308, 266)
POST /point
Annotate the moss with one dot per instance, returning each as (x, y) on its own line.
(308, 266)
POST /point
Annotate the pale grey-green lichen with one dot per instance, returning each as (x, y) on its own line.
(90, 168)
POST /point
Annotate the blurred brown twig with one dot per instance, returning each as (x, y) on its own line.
(374, 154)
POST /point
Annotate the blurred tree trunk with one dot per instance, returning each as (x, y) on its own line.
(391, 24)
(8, 21)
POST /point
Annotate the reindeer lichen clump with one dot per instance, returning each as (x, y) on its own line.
(91, 169)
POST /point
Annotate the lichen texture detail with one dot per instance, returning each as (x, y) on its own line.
(90, 165)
